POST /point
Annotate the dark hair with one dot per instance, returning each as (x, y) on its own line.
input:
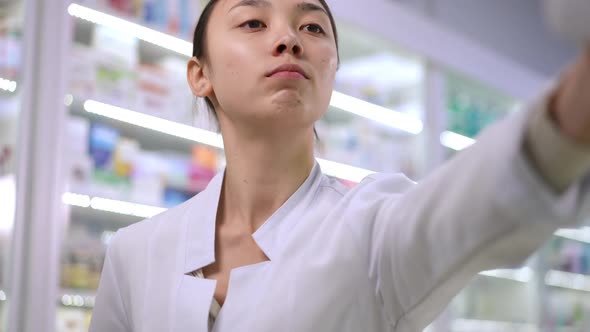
(199, 38)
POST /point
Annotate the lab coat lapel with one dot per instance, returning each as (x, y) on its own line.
(176, 300)
(193, 304)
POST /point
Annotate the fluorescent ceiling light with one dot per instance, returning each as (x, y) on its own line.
(524, 274)
(7, 85)
(574, 281)
(581, 234)
(149, 35)
(76, 200)
(111, 205)
(376, 113)
(154, 123)
(126, 208)
(342, 171)
(470, 325)
(455, 141)
(7, 203)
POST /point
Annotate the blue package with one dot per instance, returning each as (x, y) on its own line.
(102, 143)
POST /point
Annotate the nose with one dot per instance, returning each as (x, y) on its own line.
(288, 43)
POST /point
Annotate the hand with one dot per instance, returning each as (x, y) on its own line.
(571, 103)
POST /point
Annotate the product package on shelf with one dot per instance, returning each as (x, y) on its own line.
(472, 107)
(116, 58)
(10, 54)
(399, 89)
(362, 143)
(78, 160)
(71, 319)
(82, 71)
(176, 17)
(569, 256)
(83, 258)
(163, 93)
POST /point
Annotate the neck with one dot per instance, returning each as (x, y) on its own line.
(262, 172)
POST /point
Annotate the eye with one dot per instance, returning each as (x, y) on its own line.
(313, 28)
(253, 25)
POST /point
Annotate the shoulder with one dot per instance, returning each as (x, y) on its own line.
(134, 239)
(381, 185)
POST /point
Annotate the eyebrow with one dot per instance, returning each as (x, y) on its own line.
(302, 6)
(252, 3)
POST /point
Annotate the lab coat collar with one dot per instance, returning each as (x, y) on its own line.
(200, 235)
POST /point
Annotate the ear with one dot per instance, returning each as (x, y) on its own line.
(197, 79)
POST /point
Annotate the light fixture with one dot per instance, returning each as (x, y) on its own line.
(568, 280)
(154, 123)
(77, 300)
(111, 205)
(76, 200)
(455, 141)
(524, 274)
(158, 38)
(376, 113)
(2, 295)
(580, 234)
(343, 171)
(339, 170)
(125, 208)
(7, 85)
(469, 325)
(68, 100)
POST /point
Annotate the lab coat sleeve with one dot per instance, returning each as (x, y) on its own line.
(487, 208)
(110, 312)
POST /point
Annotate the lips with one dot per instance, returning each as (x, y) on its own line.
(288, 68)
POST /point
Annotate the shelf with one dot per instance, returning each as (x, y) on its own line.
(132, 28)
(197, 135)
(568, 280)
(523, 275)
(163, 136)
(580, 234)
(473, 325)
(111, 205)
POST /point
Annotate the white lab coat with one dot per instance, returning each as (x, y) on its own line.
(387, 255)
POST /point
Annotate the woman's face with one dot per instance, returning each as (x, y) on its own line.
(270, 64)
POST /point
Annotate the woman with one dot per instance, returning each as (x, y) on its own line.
(280, 247)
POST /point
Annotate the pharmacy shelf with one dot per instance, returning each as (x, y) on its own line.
(151, 140)
(397, 120)
(132, 27)
(197, 135)
(568, 281)
(522, 275)
(580, 234)
(400, 122)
